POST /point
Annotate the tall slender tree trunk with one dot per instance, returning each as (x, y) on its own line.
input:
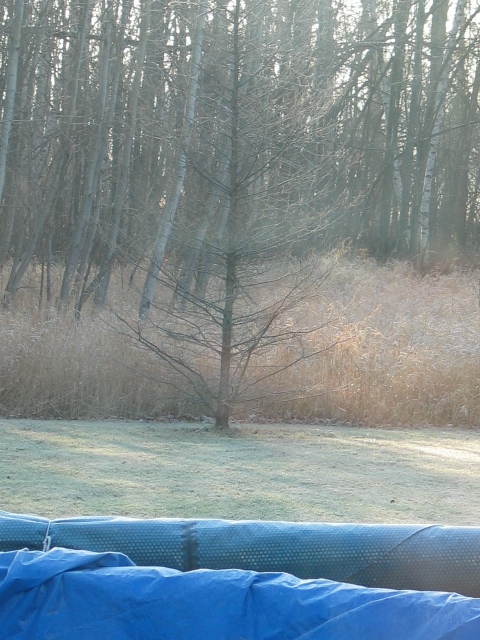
(58, 166)
(392, 176)
(224, 409)
(426, 200)
(173, 199)
(107, 255)
(121, 187)
(10, 90)
(462, 184)
(92, 173)
(405, 232)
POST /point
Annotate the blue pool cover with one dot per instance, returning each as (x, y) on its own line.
(119, 578)
(85, 595)
(419, 557)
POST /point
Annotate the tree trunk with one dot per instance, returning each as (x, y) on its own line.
(58, 167)
(405, 232)
(461, 186)
(171, 206)
(222, 416)
(390, 98)
(435, 139)
(121, 187)
(10, 90)
(92, 173)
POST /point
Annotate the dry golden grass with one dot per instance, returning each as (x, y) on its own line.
(405, 351)
(410, 353)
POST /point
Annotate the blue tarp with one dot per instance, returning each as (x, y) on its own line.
(84, 595)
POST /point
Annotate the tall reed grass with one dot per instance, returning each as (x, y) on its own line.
(391, 349)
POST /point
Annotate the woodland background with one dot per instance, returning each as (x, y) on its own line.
(176, 180)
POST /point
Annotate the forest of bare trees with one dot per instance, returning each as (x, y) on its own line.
(136, 133)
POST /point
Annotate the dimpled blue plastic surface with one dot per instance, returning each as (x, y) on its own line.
(76, 595)
(336, 552)
(18, 531)
(145, 542)
(388, 556)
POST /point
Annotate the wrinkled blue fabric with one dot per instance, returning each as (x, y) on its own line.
(73, 595)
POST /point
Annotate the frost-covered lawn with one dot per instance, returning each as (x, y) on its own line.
(332, 473)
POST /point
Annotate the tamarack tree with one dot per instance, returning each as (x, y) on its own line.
(263, 170)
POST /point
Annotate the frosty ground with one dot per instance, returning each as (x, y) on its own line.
(321, 473)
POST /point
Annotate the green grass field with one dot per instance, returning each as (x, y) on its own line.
(280, 472)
